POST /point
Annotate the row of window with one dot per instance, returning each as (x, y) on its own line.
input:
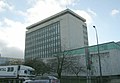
(47, 30)
(85, 35)
(41, 54)
(42, 39)
(43, 42)
(38, 49)
(42, 36)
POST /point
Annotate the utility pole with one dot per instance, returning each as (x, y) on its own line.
(88, 64)
(100, 69)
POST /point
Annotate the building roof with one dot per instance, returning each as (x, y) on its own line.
(102, 47)
(55, 16)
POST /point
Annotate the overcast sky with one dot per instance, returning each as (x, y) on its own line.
(16, 15)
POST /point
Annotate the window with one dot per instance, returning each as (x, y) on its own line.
(25, 71)
(10, 69)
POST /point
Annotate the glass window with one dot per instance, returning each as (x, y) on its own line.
(10, 69)
(25, 71)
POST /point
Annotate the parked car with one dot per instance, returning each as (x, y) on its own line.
(47, 79)
(27, 81)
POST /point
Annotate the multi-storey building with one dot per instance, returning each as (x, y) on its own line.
(65, 30)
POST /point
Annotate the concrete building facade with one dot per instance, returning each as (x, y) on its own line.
(110, 59)
(63, 31)
(110, 54)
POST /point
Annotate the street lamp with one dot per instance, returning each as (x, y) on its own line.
(100, 69)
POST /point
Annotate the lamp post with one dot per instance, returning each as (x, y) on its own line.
(100, 69)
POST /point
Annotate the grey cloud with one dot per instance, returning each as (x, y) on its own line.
(12, 52)
(2, 44)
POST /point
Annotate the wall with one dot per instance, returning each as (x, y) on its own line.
(72, 36)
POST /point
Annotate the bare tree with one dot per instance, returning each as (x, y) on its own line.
(66, 62)
(39, 66)
(59, 63)
(75, 67)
